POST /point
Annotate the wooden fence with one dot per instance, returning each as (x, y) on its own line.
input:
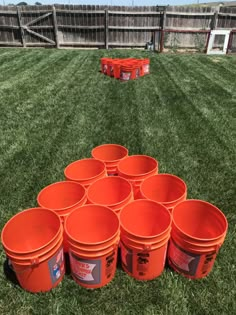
(113, 26)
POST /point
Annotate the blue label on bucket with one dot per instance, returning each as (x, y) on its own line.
(56, 266)
(86, 270)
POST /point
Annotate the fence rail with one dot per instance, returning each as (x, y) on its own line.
(113, 26)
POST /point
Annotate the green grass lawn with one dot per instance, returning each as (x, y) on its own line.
(55, 107)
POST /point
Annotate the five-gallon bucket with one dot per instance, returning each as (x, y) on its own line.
(93, 237)
(62, 197)
(32, 240)
(127, 71)
(110, 154)
(114, 192)
(85, 171)
(145, 231)
(104, 65)
(167, 189)
(199, 229)
(116, 66)
(136, 168)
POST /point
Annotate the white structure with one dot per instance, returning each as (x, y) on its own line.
(210, 50)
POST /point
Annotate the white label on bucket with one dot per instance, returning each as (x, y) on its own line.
(56, 266)
(146, 68)
(87, 271)
(125, 76)
(84, 271)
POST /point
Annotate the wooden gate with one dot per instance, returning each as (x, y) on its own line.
(37, 28)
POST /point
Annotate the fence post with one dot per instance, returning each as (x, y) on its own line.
(21, 27)
(163, 24)
(106, 31)
(214, 21)
(55, 27)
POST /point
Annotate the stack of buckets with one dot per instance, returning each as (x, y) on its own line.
(125, 69)
(108, 203)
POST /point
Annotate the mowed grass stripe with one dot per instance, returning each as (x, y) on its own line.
(33, 142)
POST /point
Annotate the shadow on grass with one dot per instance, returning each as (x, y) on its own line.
(9, 272)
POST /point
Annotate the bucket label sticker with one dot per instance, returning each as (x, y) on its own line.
(56, 266)
(85, 270)
(208, 263)
(110, 260)
(104, 68)
(146, 68)
(182, 260)
(126, 258)
(142, 263)
(125, 76)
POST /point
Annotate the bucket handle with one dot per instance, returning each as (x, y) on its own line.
(147, 247)
(33, 263)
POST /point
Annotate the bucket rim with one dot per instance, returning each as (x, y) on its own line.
(137, 156)
(58, 210)
(57, 234)
(93, 247)
(110, 145)
(36, 259)
(111, 178)
(208, 204)
(196, 247)
(82, 208)
(144, 236)
(83, 179)
(162, 175)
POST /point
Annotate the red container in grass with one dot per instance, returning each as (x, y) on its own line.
(166, 189)
(116, 67)
(127, 72)
(93, 237)
(32, 240)
(85, 171)
(137, 168)
(198, 231)
(110, 154)
(104, 65)
(137, 66)
(62, 197)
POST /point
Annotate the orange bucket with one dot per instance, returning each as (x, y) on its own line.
(136, 168)
(62, 197)
(104, 65)
(110, 154)
(127, 71)
(137, 68)
(85, 171)
(198, 232)
(114, 192)
(167, 189)
(145, 231)
(93, 237)
(32, 240)
(117, 65)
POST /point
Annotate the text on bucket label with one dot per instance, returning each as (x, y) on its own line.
(86, 270)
